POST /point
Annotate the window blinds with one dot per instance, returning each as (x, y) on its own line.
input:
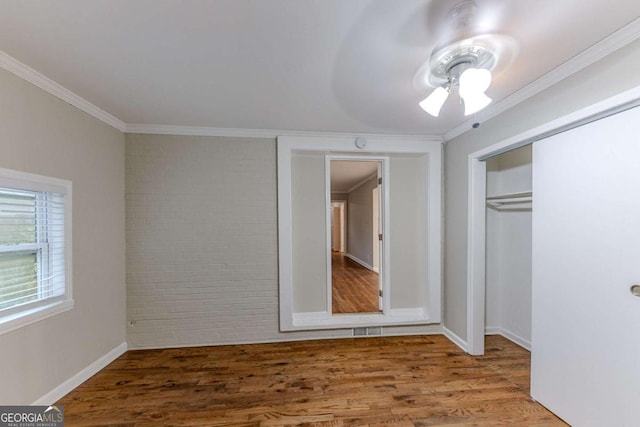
(32, 247)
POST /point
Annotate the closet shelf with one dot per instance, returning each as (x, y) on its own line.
(511, 200)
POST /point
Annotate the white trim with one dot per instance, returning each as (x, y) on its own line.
(604, 47)
(385, 255)
(67, 386)
(496, 330)
(383, 278)
(359, 261)
(432, 152)
(476, 227)
(610, 44)
(516, 339)
(285, 239)
(417, 313)
(17, 179)
(323, 320)
(27, 73)
(265, 133)
(427, 330)
(476, 255)
(493, 330)
(311, 316)
(454, 338)
(328, 218)
(23, 315)
(39, 312)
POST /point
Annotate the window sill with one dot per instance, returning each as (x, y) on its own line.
(14, 321)
(325, 320)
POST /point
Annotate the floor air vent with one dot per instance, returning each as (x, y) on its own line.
(363, 332)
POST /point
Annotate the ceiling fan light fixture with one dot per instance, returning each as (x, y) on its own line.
(434, 102)
(474, 102)
(473, 83)
(468, 64)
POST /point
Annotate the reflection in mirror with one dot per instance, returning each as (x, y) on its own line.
(356, 219)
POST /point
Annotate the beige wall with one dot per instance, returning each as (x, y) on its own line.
(308, 214)
(360, 221)
(202, 242)
(408, 232)
(43, 135)
(339, 196)
(614, 74)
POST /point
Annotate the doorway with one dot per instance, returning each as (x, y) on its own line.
(355, 213)
(338, 226)
(477, 182)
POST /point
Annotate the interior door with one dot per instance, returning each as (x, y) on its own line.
(586, 257)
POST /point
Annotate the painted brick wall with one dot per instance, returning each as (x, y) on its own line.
(201, 232)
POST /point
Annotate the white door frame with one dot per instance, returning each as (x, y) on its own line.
(383, 274)
(476, 224)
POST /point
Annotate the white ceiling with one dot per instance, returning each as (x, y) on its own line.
(312, 65)
(346, 174)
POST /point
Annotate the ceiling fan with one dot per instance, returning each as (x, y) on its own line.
(468, 63)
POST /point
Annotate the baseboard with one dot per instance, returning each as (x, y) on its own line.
(359, 261)
(63, 389)
(496, 330)
(387, 331)
(516, 339)
(455, 339)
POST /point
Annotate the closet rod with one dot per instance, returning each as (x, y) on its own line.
(511, 199)
(508, 196)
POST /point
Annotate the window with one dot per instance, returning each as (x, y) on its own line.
(35, 275)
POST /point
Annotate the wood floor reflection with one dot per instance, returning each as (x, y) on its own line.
(354, 289)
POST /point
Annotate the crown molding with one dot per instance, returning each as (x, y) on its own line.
(604, 47)
(608, 45)
(27, 73)
(263, 133)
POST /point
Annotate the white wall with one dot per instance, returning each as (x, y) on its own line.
(43, 135)
(508, 250)
(614, 74)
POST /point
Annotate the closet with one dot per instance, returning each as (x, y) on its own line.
(508, 246)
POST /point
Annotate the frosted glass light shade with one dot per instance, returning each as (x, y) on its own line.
(475, 102)
(434, 102)
(474, 80)
(473, 83)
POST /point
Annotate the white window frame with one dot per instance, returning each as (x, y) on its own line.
(15, 317)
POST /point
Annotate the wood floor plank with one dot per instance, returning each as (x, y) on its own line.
(354, 289)
(382, 381)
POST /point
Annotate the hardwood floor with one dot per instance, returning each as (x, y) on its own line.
(382, 381)
(354, 289)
